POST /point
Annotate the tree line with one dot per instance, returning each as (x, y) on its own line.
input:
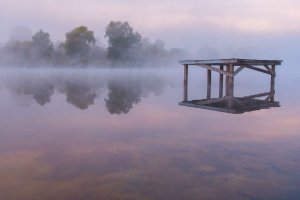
(125, 47)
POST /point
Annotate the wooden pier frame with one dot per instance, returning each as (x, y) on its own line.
(230, 68)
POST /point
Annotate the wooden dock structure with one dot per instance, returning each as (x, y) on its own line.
(229, 68)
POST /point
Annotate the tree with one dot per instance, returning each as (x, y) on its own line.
(123, 41)
(78, 41)
(18, 52)
(42, 45)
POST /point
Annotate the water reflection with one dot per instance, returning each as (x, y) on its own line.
(41, 92)
(123, 91)
(80, 94)
(159, 151)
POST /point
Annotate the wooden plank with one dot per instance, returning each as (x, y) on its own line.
(215, 69)
(231, 61)
(256, 69)
(238, 70)
(221, 80)
(256, 95)
(270, 70)
(207, 107)
(185, 83)
(209, 101)
(208, 84)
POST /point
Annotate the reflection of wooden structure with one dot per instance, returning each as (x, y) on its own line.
(230, 68)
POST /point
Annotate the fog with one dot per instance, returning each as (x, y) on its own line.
(193, 29)
(120, 90)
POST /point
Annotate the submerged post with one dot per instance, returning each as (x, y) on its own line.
(221, 80)
(185, 83)
(208, 84)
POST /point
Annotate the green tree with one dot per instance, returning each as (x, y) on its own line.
(122, 40)
(78, 41)
(42, 45)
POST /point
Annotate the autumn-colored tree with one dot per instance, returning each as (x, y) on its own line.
(78, 41)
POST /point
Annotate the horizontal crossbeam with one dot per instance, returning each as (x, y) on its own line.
(216, 70)
(257, 69)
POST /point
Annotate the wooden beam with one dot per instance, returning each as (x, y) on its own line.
(238, 70)
(221, 80)
(230, 84)
(215, 69)
(270, 70)
(256, 69)
(208, 84)
(209, 101)
(185, 83)
(272, 89)
(226, 82)
(256, 95)
(230, 80)
(234, 61)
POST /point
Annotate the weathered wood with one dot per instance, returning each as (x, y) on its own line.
(272, 89)
(214, 69)
(185, 83)
(229, 103)
(256, 69)
(235, 61)
(208, 84)
(270, 70)
(230, 84)
(257, 95)
(241, 105)
(238, 70)
(230, 70)
(227, 82)
(209, 101)
(221, 80)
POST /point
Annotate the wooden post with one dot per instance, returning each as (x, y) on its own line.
(230, 80)
(230, 85)
(208, 84)
(227, 82)
(185, 83)
(272, 89)
(221, 80)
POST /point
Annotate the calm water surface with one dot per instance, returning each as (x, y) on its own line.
(121, 135)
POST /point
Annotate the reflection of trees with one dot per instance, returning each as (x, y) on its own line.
(124, 92)
(41, 92)
(122, 95)
(80, 94)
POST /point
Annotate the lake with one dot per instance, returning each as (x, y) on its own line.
(121, 135)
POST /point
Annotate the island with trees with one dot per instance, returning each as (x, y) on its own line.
(125, 47)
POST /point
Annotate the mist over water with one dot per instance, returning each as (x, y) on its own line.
(120, 134)
(90, 93)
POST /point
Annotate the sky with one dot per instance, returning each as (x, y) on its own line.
(229, 25)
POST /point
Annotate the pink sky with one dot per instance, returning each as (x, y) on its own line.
(171, 21)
